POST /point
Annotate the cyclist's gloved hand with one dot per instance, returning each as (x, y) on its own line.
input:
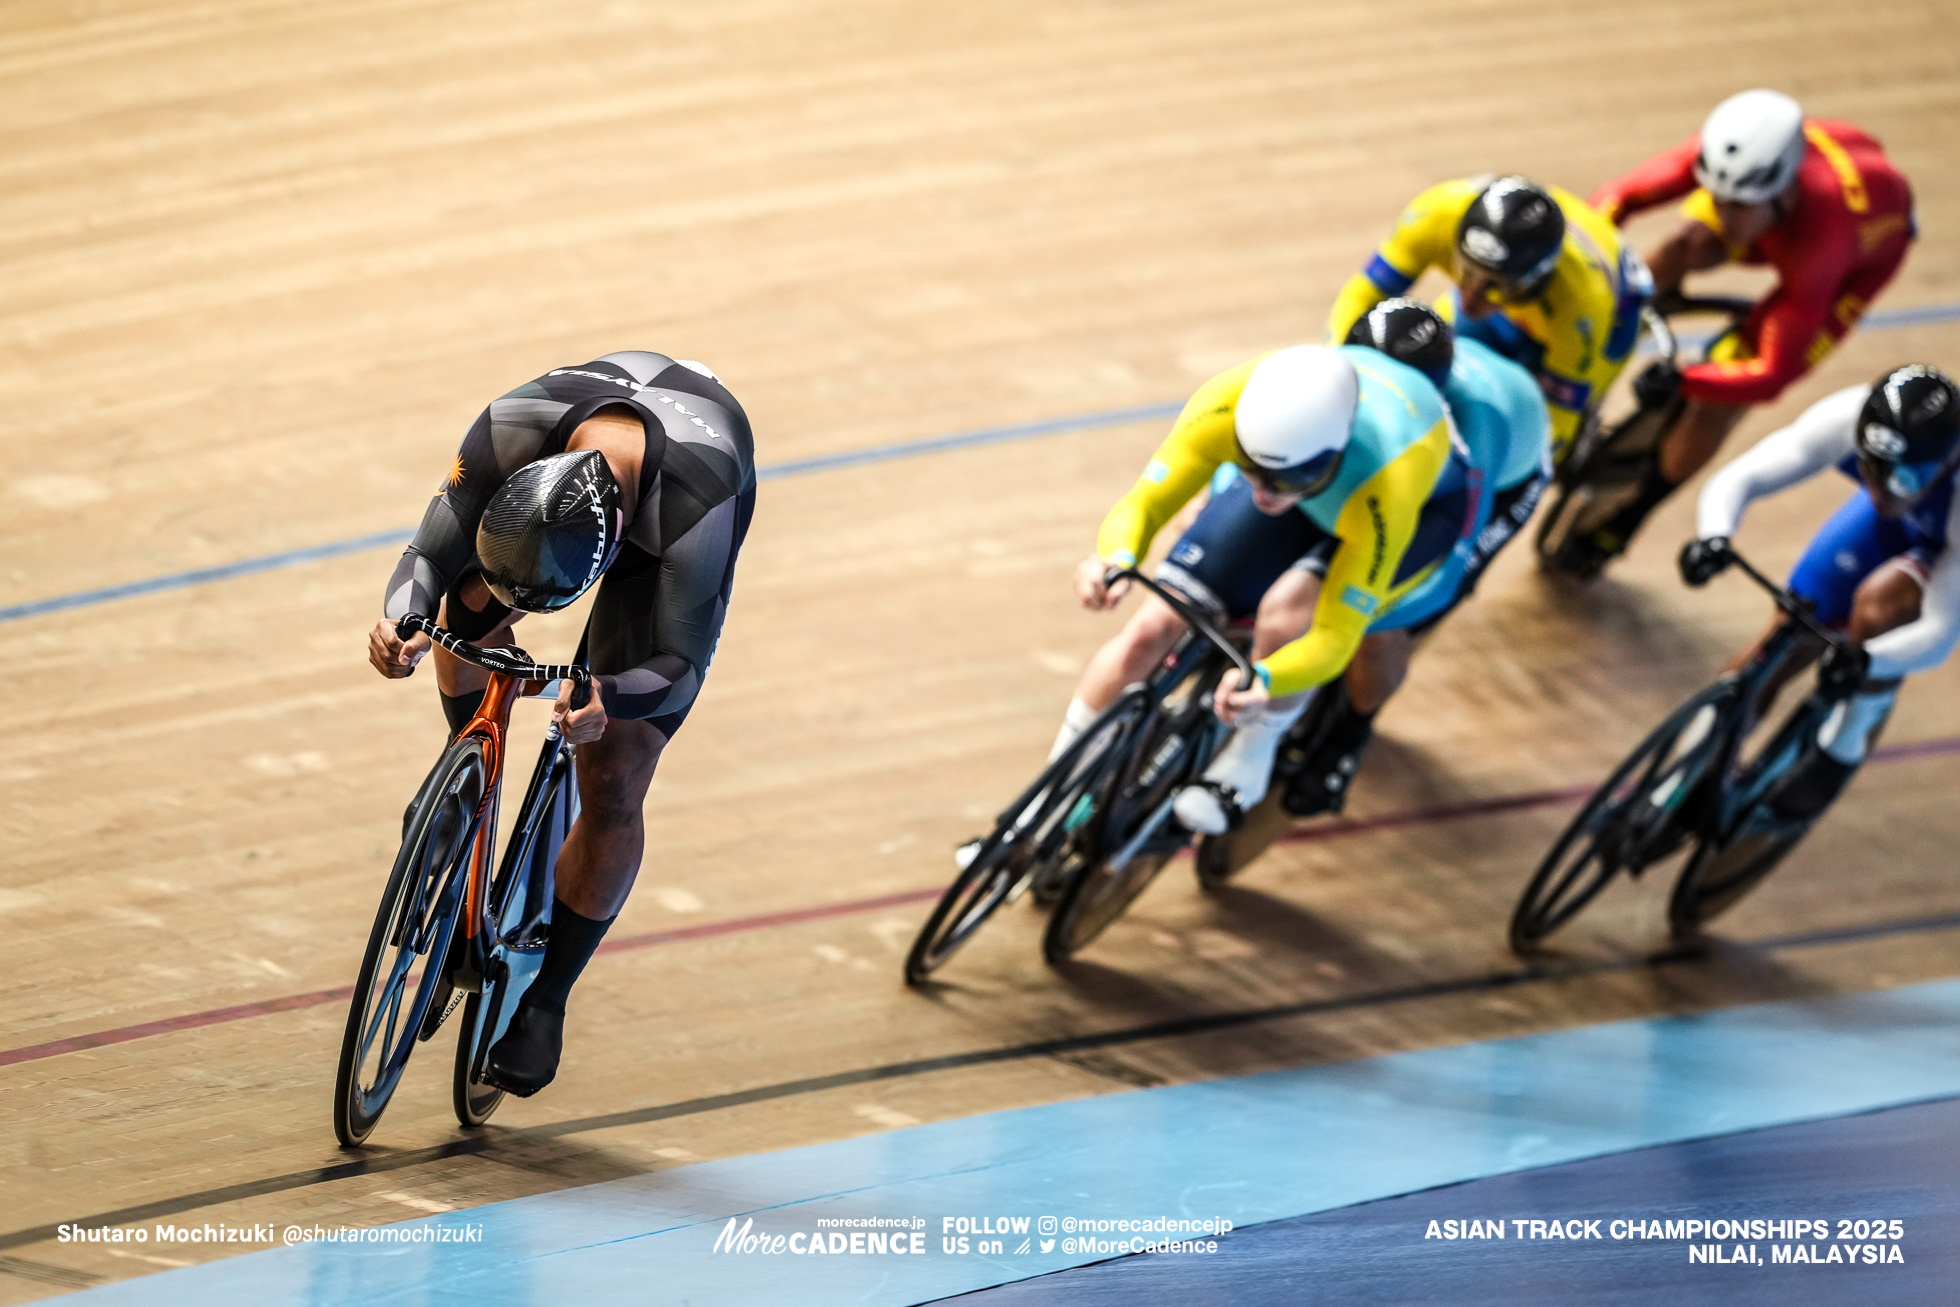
(1843, 670)
(1657, 386)
(1702, 559)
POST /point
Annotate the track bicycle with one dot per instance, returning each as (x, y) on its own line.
(1095, 826)
(441, 879)
(1693, 784)
(1604, 471)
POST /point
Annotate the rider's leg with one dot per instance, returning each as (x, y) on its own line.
(1852, 546)
(1323, 778)
(1686, 448)
(1887, 599)
(1243, 769)
(472, 612)
(1145, 641)
(594, 874)
(1696, 436)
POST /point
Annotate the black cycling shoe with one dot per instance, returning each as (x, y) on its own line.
(1320, 789)
(1810, 785)
(525, 1060)
(1320, 785)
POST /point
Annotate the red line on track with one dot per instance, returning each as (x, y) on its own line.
(736, 925)
(794, 916)
(169, 1025)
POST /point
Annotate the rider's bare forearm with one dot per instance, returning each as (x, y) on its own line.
(1692, 248)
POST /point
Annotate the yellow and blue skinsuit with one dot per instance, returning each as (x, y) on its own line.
(1500, 416)
(1401, 442)
(1575, 337)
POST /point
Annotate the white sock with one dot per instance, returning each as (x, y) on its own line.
(1245, 764)
(1075, 721)
(1847, 732)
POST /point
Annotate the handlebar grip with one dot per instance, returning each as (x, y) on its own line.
(581, 694)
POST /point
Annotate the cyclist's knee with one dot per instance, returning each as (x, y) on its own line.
(615, 770)
(1886, 600)
(1150, 634)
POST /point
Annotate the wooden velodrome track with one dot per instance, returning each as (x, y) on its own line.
(262, 262)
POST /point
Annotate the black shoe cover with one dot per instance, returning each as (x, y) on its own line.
(1809, 786)
(526, 1059)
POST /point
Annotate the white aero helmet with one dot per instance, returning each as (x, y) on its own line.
(1294, 417)
(1751, 147)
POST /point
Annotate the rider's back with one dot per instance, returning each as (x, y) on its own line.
(1499, 412)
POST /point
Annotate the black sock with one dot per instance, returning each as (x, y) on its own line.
(459, 709)
(1349, 732)
(572, 942)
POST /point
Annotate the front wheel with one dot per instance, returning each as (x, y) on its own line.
(1047, 826)
(518, 908)
(1140, 834)
(418, 912)
(1641, 814)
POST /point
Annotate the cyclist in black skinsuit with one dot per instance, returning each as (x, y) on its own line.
(678, 474)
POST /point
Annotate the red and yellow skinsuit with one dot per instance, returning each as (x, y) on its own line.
(1848, 224)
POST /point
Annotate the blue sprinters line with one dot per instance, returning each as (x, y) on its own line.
(968, 439)
(224, 571)
(798, 467)
(822, 463)
(1912, 317)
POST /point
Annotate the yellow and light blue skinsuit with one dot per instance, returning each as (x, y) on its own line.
(1576, 336)
(1401, 441)
(1500, 415)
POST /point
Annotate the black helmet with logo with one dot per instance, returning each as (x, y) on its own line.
(1410, 331)
(549, 532)
(1909, 434)
(1514, 232)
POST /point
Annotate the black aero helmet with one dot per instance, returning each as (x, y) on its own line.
(1409, 331)
(1911, 418)
(549, 531)
(1514, 232)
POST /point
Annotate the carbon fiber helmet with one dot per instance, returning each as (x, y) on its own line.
(1514, 231)
(1411, 332)
(549, 532)
(1909, 430)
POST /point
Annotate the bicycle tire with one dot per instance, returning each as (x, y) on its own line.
(544, 818)
(1756, 840)
(1140, 793)
(419, 908)
(1721, 872)
(1018, 848)
(1597, 845)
